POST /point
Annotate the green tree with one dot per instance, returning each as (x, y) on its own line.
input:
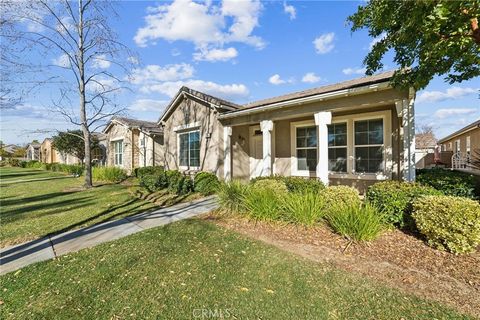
(428, 37)
(72, 142)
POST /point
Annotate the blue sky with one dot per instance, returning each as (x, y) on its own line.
(242, 52)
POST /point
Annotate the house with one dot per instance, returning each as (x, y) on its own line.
(33, 151)
(132, 143)
(48, 154)
(355, 133)
(425, 145)
(463, 144)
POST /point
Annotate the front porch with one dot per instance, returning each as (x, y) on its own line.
(353, 147)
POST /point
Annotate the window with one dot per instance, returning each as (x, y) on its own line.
(189, 146)
(337, 147)
(369, 146)
(468, 145)
(118, 152)
(306, 148)
(457, 146)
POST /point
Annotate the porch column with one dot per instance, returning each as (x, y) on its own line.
(267, 126)
(227, 153)
(322, 119)
(408, 124)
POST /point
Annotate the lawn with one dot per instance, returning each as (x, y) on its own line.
(176, 271)
(33, 209)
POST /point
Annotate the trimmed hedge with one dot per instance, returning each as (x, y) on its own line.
(451, 223)
(138, 172)
(173, 180)
(295, 184)
(394, 199)
(450, 183)
(206, 183)
(340, 195)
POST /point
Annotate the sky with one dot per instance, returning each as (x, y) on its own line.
(240, 51)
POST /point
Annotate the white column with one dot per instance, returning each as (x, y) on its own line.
(227, 153)
(267, 126)
(408, 124)
(322, 119)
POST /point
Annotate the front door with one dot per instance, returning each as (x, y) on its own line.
(256, 152)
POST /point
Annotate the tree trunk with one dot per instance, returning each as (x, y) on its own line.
(83, 112)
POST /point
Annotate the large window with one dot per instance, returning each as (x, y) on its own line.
(189, 146)
(369, 146)
(337, 147)
(306, 148)
(118, 152)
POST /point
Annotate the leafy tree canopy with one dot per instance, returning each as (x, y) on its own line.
(71, 142)
(428, 37)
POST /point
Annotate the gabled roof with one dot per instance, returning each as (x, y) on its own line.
(33, 144)
(471, 126)
(183, 91)
(148, 127)
(381, 77)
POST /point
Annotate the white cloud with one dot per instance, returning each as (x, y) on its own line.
(133, 60)
(154, 73)
(349, 71)
(310, 77)
(376, 40)
(276, 80)
(228, 91)
(148, 105)
(101, 62)
(454, 112)
(324, 43)
(449, 94)
(216, 54)
(290, 10)
(207, 25)
(62, 61)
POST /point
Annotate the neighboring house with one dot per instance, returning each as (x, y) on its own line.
(33, 151)
(48, 154)
(425, 145)
(463, 144)
(99, 154)
(354, 133)
(132, 143)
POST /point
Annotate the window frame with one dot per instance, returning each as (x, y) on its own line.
(115, 153)
(293, 142)
(188, 166)
(338, 147)
(355, 146)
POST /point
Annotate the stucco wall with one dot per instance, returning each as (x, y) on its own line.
(196, 114)
(474, 141)
(119, 132)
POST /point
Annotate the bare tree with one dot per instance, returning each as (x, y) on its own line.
(90, 61)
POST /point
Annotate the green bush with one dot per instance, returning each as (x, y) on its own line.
(138, 172)
(271, 184)
(340, 195)
(356, 223)
(295, 184)
(231, 196)
(303, 207)
(451, 183)
(206, 183)
(394, 199)
(14, 162)
(177, 182)
(451, 223)
(262, 204)
(34, 164)
(109, 174)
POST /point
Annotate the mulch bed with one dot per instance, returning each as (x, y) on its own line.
(398, 259)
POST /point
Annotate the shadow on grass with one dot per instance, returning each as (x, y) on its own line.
(20, 174)
(48, 196)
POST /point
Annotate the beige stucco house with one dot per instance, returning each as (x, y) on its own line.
(354, 133)
(462, 144)
(33, 151)
(132, 143)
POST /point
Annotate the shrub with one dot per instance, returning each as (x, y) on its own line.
(394, 199)
(109, 174)
(14, 162)
(177, 183)
(231, 196)
(206, 183)
(262, 203)
(340, 195)
(451, 223)
(34, 164)
(356, 223)
(270, 184)
(303, 207)
(139, 172)
(295, 184)
(452, 183)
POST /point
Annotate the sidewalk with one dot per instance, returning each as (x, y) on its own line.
(19, 256)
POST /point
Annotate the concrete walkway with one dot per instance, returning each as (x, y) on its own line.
(19, 256)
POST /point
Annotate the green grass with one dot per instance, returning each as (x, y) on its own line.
(33, 209)
(168, 272)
